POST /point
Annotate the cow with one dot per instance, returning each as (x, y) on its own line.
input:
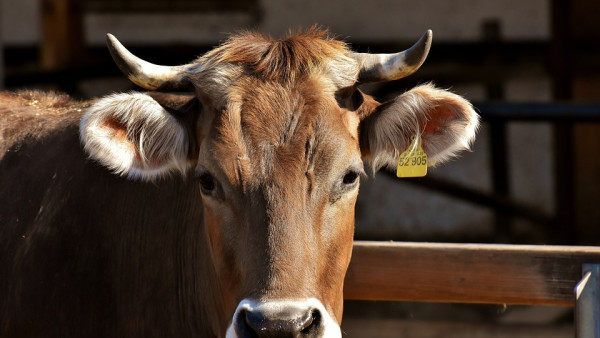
(217, 203)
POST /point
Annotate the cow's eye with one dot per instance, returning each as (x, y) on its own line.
(345, 184)
(207, 183)
(350, 178)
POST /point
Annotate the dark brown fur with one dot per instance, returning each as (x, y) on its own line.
(84, 252)
(33, 114)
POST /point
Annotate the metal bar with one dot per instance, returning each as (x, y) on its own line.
(500, 176)
(564, 229)
(492, 32)
(539, 112)
(564, 146)
(1, 53)
(587, 303)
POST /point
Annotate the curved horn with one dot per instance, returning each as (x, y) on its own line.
(145, 74)
(387, 67)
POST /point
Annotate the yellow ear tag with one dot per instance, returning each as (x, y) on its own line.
(413, 161)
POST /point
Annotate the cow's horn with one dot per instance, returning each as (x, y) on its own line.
(387, 67)
(145, 74)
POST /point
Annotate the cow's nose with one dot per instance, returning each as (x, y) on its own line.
(301, 318)
(282, 318)
(290, 321)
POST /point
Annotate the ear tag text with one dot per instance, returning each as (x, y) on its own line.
(413, 161)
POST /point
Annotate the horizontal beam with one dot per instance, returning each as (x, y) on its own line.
(539, 112)
(466, 273)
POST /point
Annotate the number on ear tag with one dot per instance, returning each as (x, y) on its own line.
(413, 161)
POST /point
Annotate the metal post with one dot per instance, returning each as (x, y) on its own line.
(587, 303)
(1, 50)
(565, 229)
(492, 33)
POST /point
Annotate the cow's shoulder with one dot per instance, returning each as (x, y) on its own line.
(32, 115)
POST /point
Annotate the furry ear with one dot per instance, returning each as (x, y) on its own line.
(134, 135)
(446, 123)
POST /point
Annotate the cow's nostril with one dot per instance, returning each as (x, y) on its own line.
(312, 320)
(254, 322)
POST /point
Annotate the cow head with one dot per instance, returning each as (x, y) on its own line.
(277, 134)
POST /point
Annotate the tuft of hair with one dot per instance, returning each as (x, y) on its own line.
(299, 53)
(133, 135)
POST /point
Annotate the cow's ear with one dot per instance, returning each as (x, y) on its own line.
(140, 135)
(445, 122)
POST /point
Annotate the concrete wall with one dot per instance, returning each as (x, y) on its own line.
(20, 22)
(376, 20)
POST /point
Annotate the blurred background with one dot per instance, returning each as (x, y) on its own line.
(532, 68)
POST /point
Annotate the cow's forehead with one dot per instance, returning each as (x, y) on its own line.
(274, 103)
(267, 128)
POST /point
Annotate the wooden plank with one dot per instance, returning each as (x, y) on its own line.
(466, 273)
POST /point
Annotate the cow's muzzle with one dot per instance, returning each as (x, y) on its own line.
(282, 318)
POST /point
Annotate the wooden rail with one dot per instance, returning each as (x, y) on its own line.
(466, 273)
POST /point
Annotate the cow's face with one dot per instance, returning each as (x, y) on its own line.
(279, 190)
(276, 135)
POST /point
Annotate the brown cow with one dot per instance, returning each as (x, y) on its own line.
(254, 235)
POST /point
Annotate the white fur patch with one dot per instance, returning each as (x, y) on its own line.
(389, 132)
(331, 329)
(132, 135)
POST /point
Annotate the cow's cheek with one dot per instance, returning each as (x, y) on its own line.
(347, 236)
(339, 252)
(211, 223)
(222, 255)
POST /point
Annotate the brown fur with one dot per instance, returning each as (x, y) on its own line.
(288, 161)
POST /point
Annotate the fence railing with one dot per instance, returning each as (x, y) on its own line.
(479, 273)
